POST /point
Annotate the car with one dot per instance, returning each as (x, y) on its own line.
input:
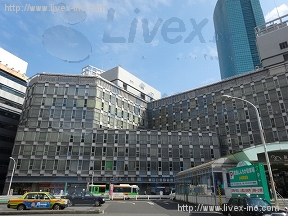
(37, 200)
(282, 213)
(249, 206)
(83, 197)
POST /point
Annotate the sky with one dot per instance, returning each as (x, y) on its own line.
(65, 36)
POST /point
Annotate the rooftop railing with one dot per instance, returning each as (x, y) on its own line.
(271, 26)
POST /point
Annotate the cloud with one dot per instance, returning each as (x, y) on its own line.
(116, 47)
(23, 25)
(193, 2)
(2, 18)
(208, 52)
(282, 10)
(155, 43)
(122, 8)
(209, 81)
(6, 34)
(212, 51)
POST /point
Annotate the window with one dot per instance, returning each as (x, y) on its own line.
(283, 45)
(71, 138)
(233, 202)
(62, 113)
(51, 113)
(82, 137)
(43, 196)
(31, 164)
(125, 86)
(54, 102)
(64, 102)
(31, 196)
(285, 57)
(73, 114)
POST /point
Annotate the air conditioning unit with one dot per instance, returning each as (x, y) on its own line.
(229, 140)
(257, 68)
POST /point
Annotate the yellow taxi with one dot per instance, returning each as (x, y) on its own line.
(37, 200)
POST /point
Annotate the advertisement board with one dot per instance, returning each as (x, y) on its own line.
(249, 179)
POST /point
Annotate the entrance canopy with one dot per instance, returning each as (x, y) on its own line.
(278, 153)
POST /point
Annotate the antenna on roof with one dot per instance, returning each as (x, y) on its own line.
(277, 11)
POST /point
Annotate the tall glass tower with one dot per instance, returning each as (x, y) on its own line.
(234, 22)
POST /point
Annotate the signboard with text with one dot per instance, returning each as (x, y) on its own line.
(249, 179)
(276, 157)
(135, 180)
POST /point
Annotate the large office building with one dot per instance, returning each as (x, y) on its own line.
(234, 22)
(73, 127)
(12, 90)
(272, 42)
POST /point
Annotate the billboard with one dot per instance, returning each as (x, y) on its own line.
(249, 179)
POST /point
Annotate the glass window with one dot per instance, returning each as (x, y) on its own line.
(71, 90)
(37, 164)
(39, 90)
(109, 165)
(37, 101)
(80, 103)
(49, 164)
(24, 164)
(31, 196)
(91, 103)
(48, 101)
(42, 136)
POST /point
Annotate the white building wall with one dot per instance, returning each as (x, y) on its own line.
(119, 76)
(13, 84)
(11, 97)
(268, 44)
(13, 61)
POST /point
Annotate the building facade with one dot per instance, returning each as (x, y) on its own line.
(272, 41)
(75, 126)
(235, 122)
(234, 23)
(12, 91)
(90, 70)
(132, 84)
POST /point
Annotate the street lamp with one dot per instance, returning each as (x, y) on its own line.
(14, 164)
(264, 145)
(92, 177)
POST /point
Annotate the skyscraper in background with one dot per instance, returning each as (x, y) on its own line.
(234, 22)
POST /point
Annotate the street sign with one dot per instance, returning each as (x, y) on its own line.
(249, 179)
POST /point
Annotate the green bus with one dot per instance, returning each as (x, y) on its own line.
(119, 191)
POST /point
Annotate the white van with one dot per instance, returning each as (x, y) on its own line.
(172, 194)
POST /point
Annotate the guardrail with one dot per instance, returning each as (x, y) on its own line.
(4, 199)
(138, 197)
(143, 197)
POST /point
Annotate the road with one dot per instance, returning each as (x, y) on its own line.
(133, 208)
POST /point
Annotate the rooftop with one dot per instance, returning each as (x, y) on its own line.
(271, 26)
